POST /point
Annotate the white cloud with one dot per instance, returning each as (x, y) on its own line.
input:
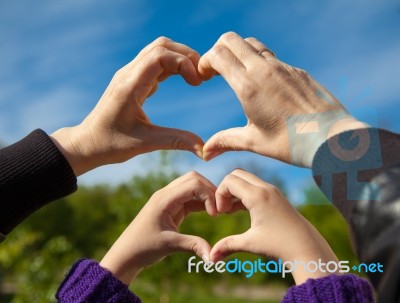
(55, 58)
(335, 39)
(61, 36)
(52, 54)
(50, 110)
(54, 109)
(374, 71)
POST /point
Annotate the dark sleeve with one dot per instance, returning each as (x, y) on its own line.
(88, 282)
(360, 173)
(331, 289)
(33, 172)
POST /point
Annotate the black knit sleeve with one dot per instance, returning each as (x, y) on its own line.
(33, 172)
(360, 173)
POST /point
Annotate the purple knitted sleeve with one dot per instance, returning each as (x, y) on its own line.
(331, 289)
(88, 282)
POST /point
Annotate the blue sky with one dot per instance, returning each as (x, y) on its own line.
(56, 58)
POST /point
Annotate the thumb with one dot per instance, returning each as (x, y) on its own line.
(228, 246)
(175, 139)
(233, 139)
(190, 243)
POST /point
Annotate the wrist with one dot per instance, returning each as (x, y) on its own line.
(301, 275)
(308, 132)
(313, 264)
(347, 124)
(69, 141)
(123, 271)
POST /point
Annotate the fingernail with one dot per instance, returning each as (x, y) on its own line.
(216, 257)
(207, 156)
(198, 150)
(236, 200)
(205, 258)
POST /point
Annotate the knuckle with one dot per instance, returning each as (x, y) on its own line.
(228, 36)
(260, 193)
(229, 244)
(118, 73)
(193, 246)
(272, 66)
(157, 195)
(177, 143)
(272, 190)
(237, 170)
(302, 73)
(162, 41)
(251, 39)
(223, 143)
(218, 50)
(194, 177)
(159, 49)
(266, 193)
(266, 72)
(193, 174)
(195, 183)
(246, 89)
(224, 180)
(228, 178)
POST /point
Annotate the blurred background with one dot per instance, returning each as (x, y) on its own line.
(57, 57)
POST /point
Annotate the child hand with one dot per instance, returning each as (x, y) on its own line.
(277, 229)
(153, 234)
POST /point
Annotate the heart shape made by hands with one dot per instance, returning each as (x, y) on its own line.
(276, 228)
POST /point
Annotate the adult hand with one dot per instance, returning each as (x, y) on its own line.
(117, 129)
(283, 104)
(276, 230)
(153, 234)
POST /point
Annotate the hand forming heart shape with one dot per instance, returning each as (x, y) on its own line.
(270, 91)
(118, 129)
(277, 229)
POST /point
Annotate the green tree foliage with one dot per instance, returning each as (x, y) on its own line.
(329, 222)
(36, 255)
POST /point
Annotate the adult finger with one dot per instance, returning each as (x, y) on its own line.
(170, 63)
(196, 80)
(233, 139)
(138, 80)
(172, 46)
(260, 48)
(219, 59)
(164, 138)
(244, 51)
(153, 89)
